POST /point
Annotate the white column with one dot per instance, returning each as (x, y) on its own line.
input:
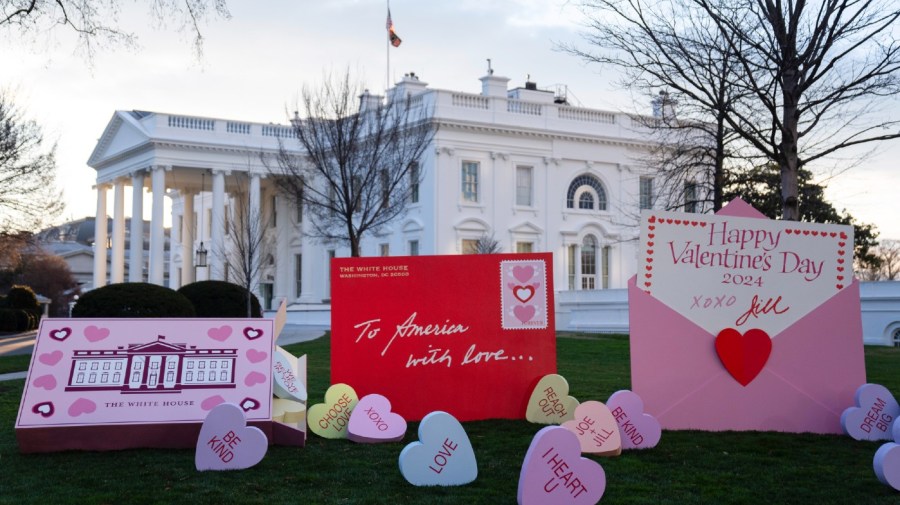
(284, 260)
(100, 224)
(577, 267)
(306, 248)
(217, 227)
(187, 238)
(157, 230)
(255, 219)
(136, 255)
(117, 268)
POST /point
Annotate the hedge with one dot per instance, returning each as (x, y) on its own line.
(133, 299)
(220, 299)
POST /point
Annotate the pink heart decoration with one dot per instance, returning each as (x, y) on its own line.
(47, 382)
(871, 418)
(60, 334)
(211, 402)
(50, 358)
(95, 334)
(248, 404)
(554, 473)
(254, 356)
(887, 465)
(82, 406)
(372, 421)
(524, 313)
(523, 273)
(221, 333)
(254, 378)
(596, 429)
(227, 443)
(45, 409)
(252, 333)
(638, 429)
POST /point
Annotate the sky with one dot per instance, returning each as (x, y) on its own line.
(255, 65)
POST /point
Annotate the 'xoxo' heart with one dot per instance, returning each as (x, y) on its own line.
(330, 419)
(227, 443)
(554, 473)
(443, 456)
(596, 429)
(744, 356)
(871, 418)
(372, 421)
(638, 429)
(549, 402)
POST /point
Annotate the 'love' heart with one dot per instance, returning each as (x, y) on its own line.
(596, 429)
(330, 419)
(443, 456)
(744, 356)
(227, 443)
(372, 421)
(549, 402)
(871, 417)
(638, 429)
(554, 473)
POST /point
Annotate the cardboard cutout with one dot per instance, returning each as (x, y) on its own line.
(550, 402)
(554, 473)
(874, 412)
(596, 429)
(227, 443)
(638, 429)
(443, 456)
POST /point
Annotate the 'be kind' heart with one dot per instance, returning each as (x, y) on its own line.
(227, 443)
(443, 456)
(554, 473)
(744, 356)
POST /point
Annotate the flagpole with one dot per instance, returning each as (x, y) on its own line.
(387, 50)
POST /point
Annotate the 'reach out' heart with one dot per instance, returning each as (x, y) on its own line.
(638, 429)
(596, 429)
(227, 443)
(744, 356)
(330, 419)
(887, 464)
(554, 473)
(550, 402)
(443, 456)
(372, 421)
(873, 414)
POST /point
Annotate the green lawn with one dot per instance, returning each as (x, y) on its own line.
(686, 467)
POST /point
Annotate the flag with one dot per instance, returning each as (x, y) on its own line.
(392, 35)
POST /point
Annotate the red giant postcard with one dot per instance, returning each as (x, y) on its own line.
(470, 335)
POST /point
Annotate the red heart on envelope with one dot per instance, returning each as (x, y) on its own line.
(744, 356)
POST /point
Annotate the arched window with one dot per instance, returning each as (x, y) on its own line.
(897, 337)
(587, 192)
(589, 262)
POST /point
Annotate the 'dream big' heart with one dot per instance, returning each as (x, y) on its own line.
(638, 429)
(550, 402)
(330, 419)
(443, 456)
(744, 356)
(596, 429)
(372, 421)
(554, 473)
(872, 416)
(227, 443)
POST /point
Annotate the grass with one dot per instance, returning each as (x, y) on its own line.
(687, 467)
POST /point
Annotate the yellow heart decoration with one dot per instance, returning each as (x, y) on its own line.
(550, 402)
(330, 419)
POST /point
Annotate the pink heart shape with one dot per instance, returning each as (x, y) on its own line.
(638, 429)
(45, 409)
(95, 334)
(524, 313)
(221, 333)
(60, 334)
(871, 417)
(47, 382)
(211, 402)
(554, 473)
(254, 356)
(372, 421)
(596, 429)
(252, 333)
(227, 443)
(50, 358)
(254, 378)
(523, 273)
(82, 406)
(887, 465)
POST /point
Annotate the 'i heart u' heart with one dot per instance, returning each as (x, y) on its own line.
(372, 421)
(330, 419)
(744, 356)
(554, 473)
(873, 415)
(443, 455)
(596, 429)
(550, 402)
(638, 429)
(227, 443)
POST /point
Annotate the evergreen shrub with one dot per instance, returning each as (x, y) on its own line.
(220, 299)
(133, 299)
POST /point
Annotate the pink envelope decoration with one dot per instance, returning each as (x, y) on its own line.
(227, 443)
(709, 287)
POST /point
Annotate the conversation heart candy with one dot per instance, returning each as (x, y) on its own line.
(873, 415)
(887, 465)
(372, 421)
(554, 473)
(443, 456)
(227, 443)
(330, 419)
(550, 402)
(596, 429)
(638, 429)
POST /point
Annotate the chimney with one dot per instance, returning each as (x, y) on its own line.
(493, 85)
(369, 101)
(664, 106)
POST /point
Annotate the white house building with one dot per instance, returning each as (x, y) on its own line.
(520, 165)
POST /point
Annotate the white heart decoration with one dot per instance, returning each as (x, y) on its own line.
(442, 457)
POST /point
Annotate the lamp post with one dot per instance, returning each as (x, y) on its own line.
(202, 253)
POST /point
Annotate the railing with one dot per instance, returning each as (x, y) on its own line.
(277, 131)
(191, 123)
(591, 116)
(520, 107)
(241, 128)
(470, 101)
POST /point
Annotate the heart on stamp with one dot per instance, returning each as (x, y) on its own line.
(638, 429)
(887, 464)
(47, 382)
(330, 419)
(872, 415)
(50, 358)
(227, 443)
(596, 429)
(95, 334)
(443, 456)
(550, 402)
(60, 334)
(523, 293)
(45, 409)
(554, 473)
(220, 334)
(372, 421)
(252, 333)
(744, 356)
(523, 273)
(524, 313)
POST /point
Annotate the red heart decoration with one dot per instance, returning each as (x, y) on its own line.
(651, 235)
(843, 235)
(815, 233)
(650, 244)
(840, 260)
(842, 244)
(702, 224)
(789, 231)
(833, 234)
(651, 227)
(678, 221)
(840, 269)
(744, 356)
(649, 251)
(523, 293)
(652, 219)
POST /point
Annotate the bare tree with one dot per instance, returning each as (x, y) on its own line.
(28, 195)
(249, 242)
(487, 245)
(358, 165)
(888, 266)
(96, 21)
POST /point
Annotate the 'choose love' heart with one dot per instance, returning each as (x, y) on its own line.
(330, 419)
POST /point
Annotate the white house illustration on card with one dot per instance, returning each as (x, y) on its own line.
(153, 367)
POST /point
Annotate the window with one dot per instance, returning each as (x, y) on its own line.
(225, 217)
(414, 182)
(524, 184)
(524, 247)
(589, 263)
(95, 366)
(224, 364)
(189, 376)
(273, 222)
(223, 376)
(106, 365)
(604, 267)
(82, 366)
(571, 272)
(646, 191)
(384, 249)
(298, 275)
(413, 247)
(897, 337)
(212, 364)
(469, 246)
(587, 192)
(470, 181)
(208, 230)
(690, 197)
